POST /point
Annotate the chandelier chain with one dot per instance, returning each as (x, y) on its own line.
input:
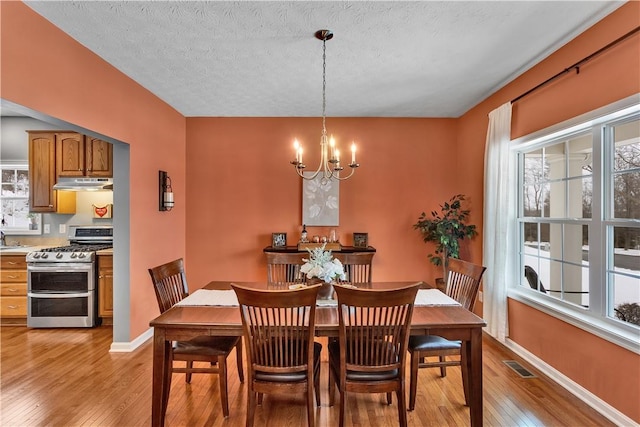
(324, 85)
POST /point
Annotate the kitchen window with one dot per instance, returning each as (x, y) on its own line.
(15, 217)
(578, 222)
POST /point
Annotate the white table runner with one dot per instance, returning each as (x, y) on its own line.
(211, 297)
(425, 297)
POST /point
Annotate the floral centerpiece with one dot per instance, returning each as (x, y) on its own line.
(322, 265)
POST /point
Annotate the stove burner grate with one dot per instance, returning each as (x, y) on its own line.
(79, 248)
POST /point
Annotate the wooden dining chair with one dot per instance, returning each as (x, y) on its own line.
(370, 353)
(283, 269)
(282, 357)
(357, 267)
(170, 284)
(463, 282)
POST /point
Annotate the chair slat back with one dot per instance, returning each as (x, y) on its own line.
(283, 269)
(279, 327)
(170, 283)
(357, 266)
(463, 281)
(374, 327)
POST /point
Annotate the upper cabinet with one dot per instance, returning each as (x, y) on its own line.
(98, 157)
(42, 172)
(80, 155)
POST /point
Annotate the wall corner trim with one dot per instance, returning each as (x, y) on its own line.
(127, 347)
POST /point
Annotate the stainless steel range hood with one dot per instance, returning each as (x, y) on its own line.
(84, 184)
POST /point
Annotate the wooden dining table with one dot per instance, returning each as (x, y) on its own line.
(181, 323)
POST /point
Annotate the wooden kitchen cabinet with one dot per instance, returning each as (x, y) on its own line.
(98, 157)
(105, 285)
(13, 286)
(42, 176)
(42, 172)
(83, 156)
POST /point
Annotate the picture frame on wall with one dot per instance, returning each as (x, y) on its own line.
(361, 240)
(279, 240)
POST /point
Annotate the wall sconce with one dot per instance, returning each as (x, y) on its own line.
(166, 192)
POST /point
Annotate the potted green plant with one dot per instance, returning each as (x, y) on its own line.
(446, 228)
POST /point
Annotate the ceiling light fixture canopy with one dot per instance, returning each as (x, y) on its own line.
(329, 154)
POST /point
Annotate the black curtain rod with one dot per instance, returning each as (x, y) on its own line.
(577, 65)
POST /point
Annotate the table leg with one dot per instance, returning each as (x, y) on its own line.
(161, 372)
(473, 352)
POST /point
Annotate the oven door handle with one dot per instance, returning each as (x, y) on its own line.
(39, 295)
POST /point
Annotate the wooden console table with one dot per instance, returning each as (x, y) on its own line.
(294, 249)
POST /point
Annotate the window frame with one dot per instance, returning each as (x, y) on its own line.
(594, 319)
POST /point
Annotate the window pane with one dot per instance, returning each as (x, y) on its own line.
(8, 190)
(557, 202)
(533, 171)
(626, 195)
(624, 277)
(627, 146)
(554, 162)
(575, 285)
(626, 298)
(8, 176)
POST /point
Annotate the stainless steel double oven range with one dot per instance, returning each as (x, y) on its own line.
(61, 281)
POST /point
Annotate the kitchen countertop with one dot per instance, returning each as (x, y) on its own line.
(21, 250)
(105, 252)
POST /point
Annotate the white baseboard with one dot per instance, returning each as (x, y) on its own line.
(572, 387)
(126, 347)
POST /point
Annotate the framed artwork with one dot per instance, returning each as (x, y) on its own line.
(320, 201)
(360, 240)
(278, 240)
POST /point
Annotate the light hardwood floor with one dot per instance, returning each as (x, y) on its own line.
(67, 377)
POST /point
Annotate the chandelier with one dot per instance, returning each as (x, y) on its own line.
(329, 165)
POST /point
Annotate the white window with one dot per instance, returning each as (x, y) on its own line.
(15, 217)
(579, 219)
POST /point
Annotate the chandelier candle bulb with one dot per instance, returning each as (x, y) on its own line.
(353, 152)
(332, 144)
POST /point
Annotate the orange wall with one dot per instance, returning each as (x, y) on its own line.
(47, 71)
(241, 188)
(583, 357)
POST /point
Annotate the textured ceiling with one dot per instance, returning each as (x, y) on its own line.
(387, 59)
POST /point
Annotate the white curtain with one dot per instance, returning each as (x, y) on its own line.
(499, 207)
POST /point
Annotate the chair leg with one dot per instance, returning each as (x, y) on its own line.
(310, 408)
(187, 377)
(443, 369)
(251, 407)
(389, 398)
(240, 360)
(316, 385)
(260, 396)
(413, 379)
(343, 403)
(332, 387)
(222, 378)
(402, 407)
